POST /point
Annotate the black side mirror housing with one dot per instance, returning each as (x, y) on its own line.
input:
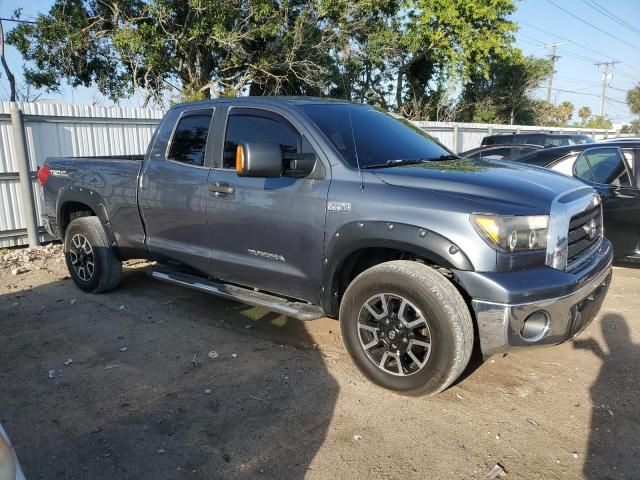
(259, 159)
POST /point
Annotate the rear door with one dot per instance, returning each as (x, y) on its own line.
(605, 169)
(173, 190)
(267, 233)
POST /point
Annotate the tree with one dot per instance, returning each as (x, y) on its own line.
(633, 99)
(441, 39)
(598, 122)
(5, 66)
(506, 90)
(631, 127)
(584, 113)
(198, 47)
(381, 51)
(564, 112)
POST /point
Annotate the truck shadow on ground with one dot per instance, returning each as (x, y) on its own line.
(142, 398)
(614, 439)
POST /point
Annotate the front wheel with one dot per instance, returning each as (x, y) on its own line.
(406, 327)
(92, 264)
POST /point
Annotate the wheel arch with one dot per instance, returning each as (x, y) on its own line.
(75, 202)
(357, 246)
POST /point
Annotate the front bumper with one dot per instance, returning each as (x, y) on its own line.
(500, 324)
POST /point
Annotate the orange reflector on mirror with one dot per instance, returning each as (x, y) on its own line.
(239, 159)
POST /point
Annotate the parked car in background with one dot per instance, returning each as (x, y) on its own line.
(9, 466)
(536, 138)
(499, 152)
(621, 139)
(613, 169)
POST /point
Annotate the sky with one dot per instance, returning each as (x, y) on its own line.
(542, 22)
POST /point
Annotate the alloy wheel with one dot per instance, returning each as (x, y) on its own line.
(394, 334)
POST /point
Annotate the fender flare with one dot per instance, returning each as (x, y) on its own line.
(87, 197)
(413, 239)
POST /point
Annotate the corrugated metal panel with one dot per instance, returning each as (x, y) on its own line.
(471, 134)
(63, 130)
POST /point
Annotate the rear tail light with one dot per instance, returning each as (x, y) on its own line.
(43, 174)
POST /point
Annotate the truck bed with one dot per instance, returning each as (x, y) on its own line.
(112, 181)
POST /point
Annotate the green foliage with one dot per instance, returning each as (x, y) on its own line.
(503, 94)
(584, 113)
(403, 54)
(598, 121)
(633, 99)
(631, 127)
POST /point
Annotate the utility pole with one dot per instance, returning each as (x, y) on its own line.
(554, 58)
(605, 82)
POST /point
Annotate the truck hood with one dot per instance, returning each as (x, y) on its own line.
(485, 181)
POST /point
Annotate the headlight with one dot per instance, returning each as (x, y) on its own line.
(512, 233)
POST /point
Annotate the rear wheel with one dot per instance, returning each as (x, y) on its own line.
(92, 264)
(406, 327)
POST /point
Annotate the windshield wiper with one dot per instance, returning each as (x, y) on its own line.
(408, 161)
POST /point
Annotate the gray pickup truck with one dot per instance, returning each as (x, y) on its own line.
(313, 207)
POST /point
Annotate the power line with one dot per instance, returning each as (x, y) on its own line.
(540, 43)
(591, 24)
(569, 53)
(611, 16)
(588, 95)
(16, 20)
(564, 38)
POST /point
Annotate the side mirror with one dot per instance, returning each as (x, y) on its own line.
(259, 159)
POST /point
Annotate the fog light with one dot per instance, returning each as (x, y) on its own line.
(535, 326)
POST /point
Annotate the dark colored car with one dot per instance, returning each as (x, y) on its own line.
(499, 152)
(535, 138)
(312, 207)
(613, 169)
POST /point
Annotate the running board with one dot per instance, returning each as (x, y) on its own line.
(299, 310)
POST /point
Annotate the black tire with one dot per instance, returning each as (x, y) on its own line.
(105, 273)
(447, 318)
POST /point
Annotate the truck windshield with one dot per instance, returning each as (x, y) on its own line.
(372, 136)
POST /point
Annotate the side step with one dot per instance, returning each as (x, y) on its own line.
(299, 310)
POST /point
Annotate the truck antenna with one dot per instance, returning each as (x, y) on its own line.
(355, 149)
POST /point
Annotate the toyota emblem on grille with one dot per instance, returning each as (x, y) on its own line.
(593, 229)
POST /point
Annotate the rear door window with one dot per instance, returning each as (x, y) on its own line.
(189, 140)
(582, 169)
(608, 166)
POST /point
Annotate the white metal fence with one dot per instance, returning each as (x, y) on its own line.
(459, 137)
(77, 130)
(61, 130)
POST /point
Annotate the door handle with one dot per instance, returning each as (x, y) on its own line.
(221, 189)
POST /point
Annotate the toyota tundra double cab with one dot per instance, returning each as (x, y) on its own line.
(315, 207)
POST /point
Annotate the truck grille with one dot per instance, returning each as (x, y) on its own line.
(580, 239)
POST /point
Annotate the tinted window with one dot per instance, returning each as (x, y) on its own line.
(555, 141)
(245, 126)
(580, 139)
(607, 166)
(375, 136)
(495, 153)
(582, 169)
(189, 140)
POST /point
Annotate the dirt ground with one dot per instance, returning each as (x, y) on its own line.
(121, 386)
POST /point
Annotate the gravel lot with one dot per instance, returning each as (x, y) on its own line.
(121, 386)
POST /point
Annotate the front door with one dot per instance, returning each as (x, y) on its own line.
(605, 169)
(173, 190)
(266, 233)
